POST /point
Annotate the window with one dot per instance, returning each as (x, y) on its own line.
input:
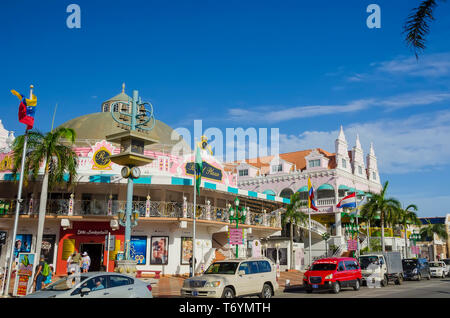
(344, 163)
(243, 172)
(116, 108)
(254, 267)
(96, 283)
(314, 163)
(264, 267)
(341, 267)
(105, 108)
(351, 265)
(116, 281)
(245, 267)
(360, 169)
(374, 176)
(277, 168)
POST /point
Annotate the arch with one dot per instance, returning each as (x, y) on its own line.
(303, 189)
(325, 191)
(286, 193)
(269, 192)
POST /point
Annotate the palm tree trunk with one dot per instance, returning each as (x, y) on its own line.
(42, 210)
(406, 241)
(292, 247)
(382, 232)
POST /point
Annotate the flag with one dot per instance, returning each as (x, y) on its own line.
(348, 202)
(198, 169)
(27, 109)
(311, 203)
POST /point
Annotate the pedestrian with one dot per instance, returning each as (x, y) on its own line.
(48, 279)
(85, 262)
(75, 263)
(39, 276)
(69, 262)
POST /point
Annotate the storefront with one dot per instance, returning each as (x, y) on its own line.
(89, 237)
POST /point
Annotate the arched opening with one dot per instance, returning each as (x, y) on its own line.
(303, 193)
(286, 193)
(325, 191)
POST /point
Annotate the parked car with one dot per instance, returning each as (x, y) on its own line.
(382, 268)
(415, 268)
(96, 285)
(232, 278)
(447, 265)
(438, 269)
(333, 274)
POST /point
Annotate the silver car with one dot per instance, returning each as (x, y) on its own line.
(96, 285)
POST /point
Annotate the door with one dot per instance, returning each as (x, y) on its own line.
(244, 282)
(341, 274)
(95, 252)
(98, 286)
(121, 286)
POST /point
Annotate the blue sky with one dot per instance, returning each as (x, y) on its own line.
(303, 67)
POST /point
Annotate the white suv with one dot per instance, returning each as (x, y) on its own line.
(438, 269)
(232, 278)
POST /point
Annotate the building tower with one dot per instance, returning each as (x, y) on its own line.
(358, 159)
(122, 97)
(372, 166)
(341, 149)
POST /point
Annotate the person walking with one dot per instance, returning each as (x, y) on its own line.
(48, 278)
(39, 277)
(75, 263)
(85, 262)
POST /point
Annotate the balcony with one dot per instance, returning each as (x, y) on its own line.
(157, 209)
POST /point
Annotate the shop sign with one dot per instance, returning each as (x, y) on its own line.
(209, 171)
(68, 249)
(102, 152)
(25, 272)
(92, 232)
(352, 245)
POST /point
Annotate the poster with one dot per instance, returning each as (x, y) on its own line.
(256, 248)
(138, 249)
(22, 244)
(159, 250)
(186, 250)
(25, 273)
(48, 247)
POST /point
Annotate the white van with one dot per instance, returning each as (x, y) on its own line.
(233, 278)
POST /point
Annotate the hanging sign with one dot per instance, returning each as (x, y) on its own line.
(236, 237)
(352, 245)
(209, 171)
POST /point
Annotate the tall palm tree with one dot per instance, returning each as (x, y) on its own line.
(431, 229)
(293, 216)
(408, 216)
(385, 208)
(54, 151)
(417, 25)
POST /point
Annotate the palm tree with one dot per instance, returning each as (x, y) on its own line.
(417, 25)
(293, 216)
(58, 159)
(405, 217)
(431, 229)
(385, 208)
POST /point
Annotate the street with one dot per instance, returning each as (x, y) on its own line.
(434, 288)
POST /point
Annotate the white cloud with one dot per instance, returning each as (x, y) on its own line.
(417, 143)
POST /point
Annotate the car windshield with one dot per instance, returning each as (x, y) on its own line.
(323, 267)
(435, 264)
(365, 261)
(222, 268)
(65, 283)
(447, 261)
(409, 263)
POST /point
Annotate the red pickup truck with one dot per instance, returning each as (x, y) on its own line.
(333, 274)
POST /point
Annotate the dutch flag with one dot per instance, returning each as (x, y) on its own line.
(348, 202)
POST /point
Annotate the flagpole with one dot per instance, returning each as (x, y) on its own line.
(195, 211)
(16, 217)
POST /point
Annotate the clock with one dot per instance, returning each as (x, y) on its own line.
(135, 172)
(125, 172)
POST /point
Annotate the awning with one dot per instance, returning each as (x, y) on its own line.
(325, 186)
(303, 189)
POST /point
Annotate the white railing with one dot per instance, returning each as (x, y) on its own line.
(318, 227)
(322, 202)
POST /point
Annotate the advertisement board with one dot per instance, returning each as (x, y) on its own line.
(138, 249)
(25, 272)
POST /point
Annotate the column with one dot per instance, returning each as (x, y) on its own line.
(337, 215)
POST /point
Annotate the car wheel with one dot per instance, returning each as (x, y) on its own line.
(384, 282)
(429, 276)
(419, 277)
(357, 285)
(336, 288)
(443, 275)
(228, 293)
(266, 291)
(399, 280)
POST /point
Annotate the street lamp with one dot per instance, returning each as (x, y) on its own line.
(239, 215)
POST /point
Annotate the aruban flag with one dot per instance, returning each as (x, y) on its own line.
(27, 109)
(198, 169)
(311, 203)
(348, 202)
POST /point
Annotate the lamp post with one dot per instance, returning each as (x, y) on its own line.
(352, 229)
(238, 215)
(136, 123)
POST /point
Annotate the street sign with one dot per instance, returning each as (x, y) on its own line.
(236, 237)
(352, 245)
(112, 242)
